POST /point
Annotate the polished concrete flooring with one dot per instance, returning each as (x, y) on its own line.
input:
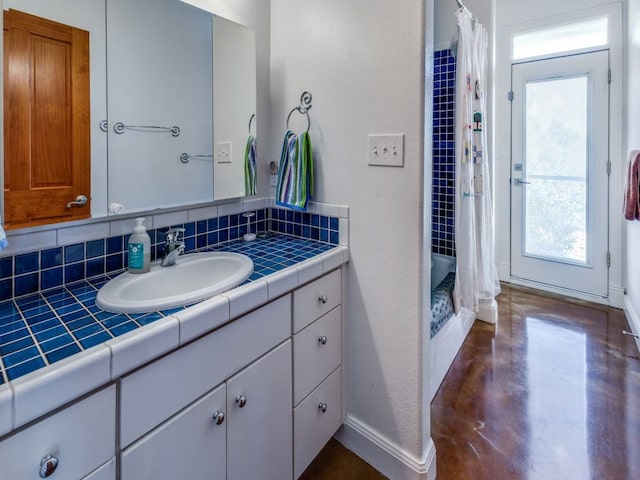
(552, 393)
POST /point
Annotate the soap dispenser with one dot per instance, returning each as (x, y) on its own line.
(139, 248)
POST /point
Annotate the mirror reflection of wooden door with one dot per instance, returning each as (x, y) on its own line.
(46, 121)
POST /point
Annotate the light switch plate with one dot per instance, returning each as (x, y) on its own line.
(386, 150)
(223, 152)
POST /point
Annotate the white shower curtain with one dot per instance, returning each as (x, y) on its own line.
(477, 281)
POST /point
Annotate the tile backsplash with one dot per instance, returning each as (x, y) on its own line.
(33, 271)
(443, 204)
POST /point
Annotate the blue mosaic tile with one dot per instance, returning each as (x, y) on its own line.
(25, 284)
(62, 353)
(95, 248)
(443, 185)
(27, 263)
(25, 368)
(114, 245)
(94, 340)
(14, 358)
(6, 267)
(51, 278)
(74, 253)
(74, 272)
(6, 289)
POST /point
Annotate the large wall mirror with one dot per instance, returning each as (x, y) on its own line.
(172, 104)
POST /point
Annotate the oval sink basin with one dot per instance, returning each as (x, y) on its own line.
(194, 277)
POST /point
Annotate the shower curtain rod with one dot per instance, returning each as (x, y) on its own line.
(462, 6)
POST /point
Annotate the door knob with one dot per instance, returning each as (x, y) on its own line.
(519, 181)
(79, 201)
(241, 400)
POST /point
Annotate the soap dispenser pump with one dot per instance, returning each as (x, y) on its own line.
(139, 248)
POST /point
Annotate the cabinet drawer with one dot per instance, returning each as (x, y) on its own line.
(159, 390)
(82, 437)
(313, 427)
(315, 299)
(189, 445)
(317, 351)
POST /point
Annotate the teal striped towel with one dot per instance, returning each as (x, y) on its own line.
(250, 178)
(295, 173)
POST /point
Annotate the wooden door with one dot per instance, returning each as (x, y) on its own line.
(46, 121)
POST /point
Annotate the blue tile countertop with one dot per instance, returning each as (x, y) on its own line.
(40, 329)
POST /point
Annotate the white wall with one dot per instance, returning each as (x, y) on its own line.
(522, 14)
(632, 270)
(363, 62)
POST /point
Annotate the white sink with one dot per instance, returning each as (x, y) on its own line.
(194, 277)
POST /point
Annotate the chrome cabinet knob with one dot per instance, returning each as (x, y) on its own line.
(322, 299)
(241, 400)
(322, 340)
(218, 417)
(48, 465)
(322, 407)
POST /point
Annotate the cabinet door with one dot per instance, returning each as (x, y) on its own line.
(190, 445)
(259, 433)
(81, 438)
(105, 472)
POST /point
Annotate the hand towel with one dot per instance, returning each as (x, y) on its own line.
(295, 186)
(250, 178)
(631, 206)
(4, 243)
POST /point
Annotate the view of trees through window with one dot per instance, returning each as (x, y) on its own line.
(556, 208)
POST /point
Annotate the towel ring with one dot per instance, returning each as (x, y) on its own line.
(253, 117)
(302, 109)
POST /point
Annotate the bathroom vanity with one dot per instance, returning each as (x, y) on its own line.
(246, 384)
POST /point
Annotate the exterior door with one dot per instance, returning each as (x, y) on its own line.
(559, 176)
(46, 113)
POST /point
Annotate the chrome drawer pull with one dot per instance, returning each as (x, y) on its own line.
(322, 407)
(48, 465)
(218, 417)
(322, 340)
(241, 400)
(322, 299)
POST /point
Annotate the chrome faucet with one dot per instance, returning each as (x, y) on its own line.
(173, 247)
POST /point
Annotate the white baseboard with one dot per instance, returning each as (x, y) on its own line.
(632, 318)
(488, 311)
(389, 459)
(616, 296)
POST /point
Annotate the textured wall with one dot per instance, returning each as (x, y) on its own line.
(363, 62)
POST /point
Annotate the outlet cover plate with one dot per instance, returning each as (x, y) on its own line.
(386, 150)
(223, 152)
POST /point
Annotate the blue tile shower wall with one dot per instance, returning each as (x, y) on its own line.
(32, 272)
(443, 200)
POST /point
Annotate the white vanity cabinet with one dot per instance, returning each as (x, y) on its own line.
(70, 444)
(259, 425)
(215, 406)
(317, 360)
(192, 444)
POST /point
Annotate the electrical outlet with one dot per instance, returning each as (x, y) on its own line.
(223, 152)
(273, 180)
(386, 150)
